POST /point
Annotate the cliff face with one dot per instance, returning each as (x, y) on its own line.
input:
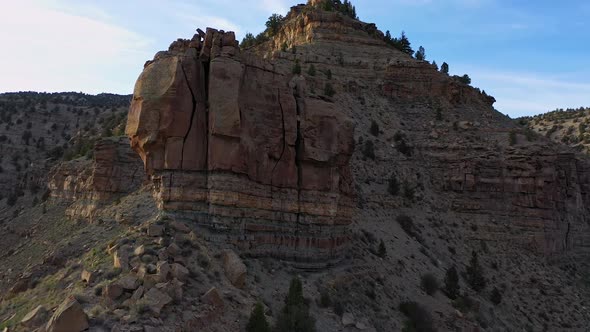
(239, 147)
(90, 184)
(233, 140)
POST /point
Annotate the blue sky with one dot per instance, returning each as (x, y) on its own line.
(531, 55)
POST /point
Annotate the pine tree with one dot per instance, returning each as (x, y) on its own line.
(258, 322)
(295, 315)
(444, 68)
(496, 296)
(474, 274)
(434, 64)
(421, 54)
(405, 45)
(452, 287)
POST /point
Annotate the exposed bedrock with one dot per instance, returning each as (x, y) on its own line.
(237, 147)
(114, 171)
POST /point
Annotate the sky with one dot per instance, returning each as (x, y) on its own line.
(533, 56)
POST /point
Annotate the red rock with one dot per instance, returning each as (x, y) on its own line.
(69, 317)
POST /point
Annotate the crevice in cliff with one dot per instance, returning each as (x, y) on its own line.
(298, 154)
(567, 235)
(190, 125)
(284, 138)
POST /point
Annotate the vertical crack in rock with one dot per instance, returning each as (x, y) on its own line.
(190, 125)
(284, 139)
(567, 235)
(298, 157)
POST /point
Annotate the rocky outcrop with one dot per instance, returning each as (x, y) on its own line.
(89, 184)
(237, 146)
(532, 197)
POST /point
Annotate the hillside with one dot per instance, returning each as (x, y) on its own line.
(40, 129)
(319, 152)
(569, 126)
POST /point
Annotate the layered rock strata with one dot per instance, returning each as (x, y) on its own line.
(114, 171)
(533, 197)
(236, 146)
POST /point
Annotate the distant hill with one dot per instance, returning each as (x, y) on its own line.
(39, 129)
(568, 126)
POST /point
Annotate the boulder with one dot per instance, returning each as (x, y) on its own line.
(129, 282)
(213, 298)
(163, 269)
(88, 277)
(69, 317)
(139, 250)
(112, 291)
(35, 318)
(179, 272)
(156, 300)
(155, 230)
(235, 269)
(121, 260)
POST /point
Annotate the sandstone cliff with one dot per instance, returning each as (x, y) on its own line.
(88, 185)
(238, 146)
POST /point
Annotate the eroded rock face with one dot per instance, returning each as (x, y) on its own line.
(536, 196)
(237, 146)
(114, 171)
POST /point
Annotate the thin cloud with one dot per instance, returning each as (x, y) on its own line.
(64, 51)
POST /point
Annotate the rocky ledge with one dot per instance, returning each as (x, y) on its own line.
(114, 171)
(235, 145)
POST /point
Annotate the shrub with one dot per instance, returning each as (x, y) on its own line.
(429, 283)
(369, 150)
(328, 74)
(496, 296)
(419, 319)
(512, 138)
(407, 224)
(258, 322)
(382, 251)
(402, 145)
(409, 191)
(296, 68)
(374, 128)
(393, 185)
(464, 303)
(452, 287)
(329, 90)
(325, 300)
(474, 274)
(295, 315)
(311, 71)
(439, 116)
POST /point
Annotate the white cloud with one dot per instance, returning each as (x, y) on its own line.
(49, 49)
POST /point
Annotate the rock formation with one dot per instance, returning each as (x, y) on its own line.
(239, 147)
(114, 171)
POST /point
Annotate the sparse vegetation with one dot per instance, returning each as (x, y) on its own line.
(393, 185)
(452, 287)
(418, 318)
(329, 90)
(474, 274)
(429, 283)
(369, 150)
(374, 128)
